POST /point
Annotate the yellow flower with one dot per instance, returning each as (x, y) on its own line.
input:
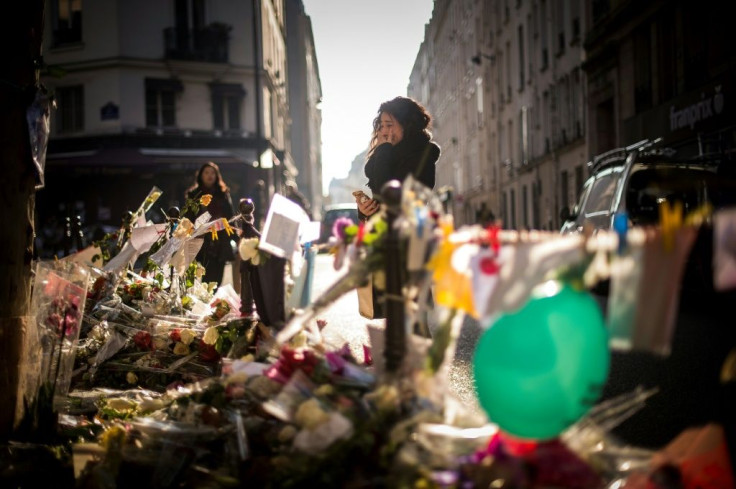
(205, 199)
(131, 378)
(310, 414)
(214, 233)
(453, 287)
(181, 349)
(210, 335)
(160, 343)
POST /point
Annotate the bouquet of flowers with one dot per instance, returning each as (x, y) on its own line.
(59, 294)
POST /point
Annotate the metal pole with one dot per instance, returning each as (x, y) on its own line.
(395, 344)
(247, 302)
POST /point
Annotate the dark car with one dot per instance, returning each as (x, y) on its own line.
(634, 181)
(334, 212)
(637, 179)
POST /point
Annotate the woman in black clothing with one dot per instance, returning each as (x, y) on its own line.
(214, 254)
(400, 145)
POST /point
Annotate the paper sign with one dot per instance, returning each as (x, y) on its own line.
(85, 256)
(142, 238)
(281, 230)
(122, 259)
(163, 255)
(485, 266)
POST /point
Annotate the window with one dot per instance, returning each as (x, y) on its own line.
(574, 21)
(508, 71)
(524, 135)
(521, 58)
(543, 35)
(560, 21)
(524, 207)
(70, 116)
(227, 103)
(161, 102)
(67, 21)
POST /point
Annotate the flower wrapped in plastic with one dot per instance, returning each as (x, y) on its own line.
(59, 294)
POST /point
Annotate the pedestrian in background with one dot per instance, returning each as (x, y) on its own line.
(401, 145)
(215, 253)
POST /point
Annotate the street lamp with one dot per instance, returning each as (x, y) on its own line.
(479, 57)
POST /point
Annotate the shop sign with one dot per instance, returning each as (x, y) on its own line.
(690, 115)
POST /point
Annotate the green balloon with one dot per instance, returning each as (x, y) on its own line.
(540, 369)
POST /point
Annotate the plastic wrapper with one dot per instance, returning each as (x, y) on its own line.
(38, 117)
(59, 294)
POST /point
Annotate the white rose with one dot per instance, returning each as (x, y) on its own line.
(248, 248)
(210, 335)
(187, 336)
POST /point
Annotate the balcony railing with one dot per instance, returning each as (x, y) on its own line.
(210, 44)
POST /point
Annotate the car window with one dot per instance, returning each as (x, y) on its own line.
(650, 187)
(601, 194)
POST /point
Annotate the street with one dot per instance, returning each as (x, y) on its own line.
(344, 324)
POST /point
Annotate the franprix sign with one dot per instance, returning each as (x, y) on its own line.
(709, 105)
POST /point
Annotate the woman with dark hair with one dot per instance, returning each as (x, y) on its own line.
(401, 145)
(214, 254)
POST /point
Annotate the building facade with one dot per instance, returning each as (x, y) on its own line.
(504, 83)
(525, 92)
(305, 96)
(664, 71)
(148, 91)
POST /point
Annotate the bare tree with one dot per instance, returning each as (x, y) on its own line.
(21, 42)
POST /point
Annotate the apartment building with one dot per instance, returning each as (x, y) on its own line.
(148, 91)
(503, 80)
(305, 97)
(660, 69)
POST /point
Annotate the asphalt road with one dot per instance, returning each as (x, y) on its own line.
(344, 324)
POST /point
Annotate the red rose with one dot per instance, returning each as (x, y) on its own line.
(207, 353)
(142, 340)
(175, 334)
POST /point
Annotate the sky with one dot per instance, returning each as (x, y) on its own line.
(365, 53)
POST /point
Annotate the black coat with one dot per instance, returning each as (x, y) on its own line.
(219, 250)
(415, 155)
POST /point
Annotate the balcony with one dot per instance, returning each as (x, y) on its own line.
(210, 43)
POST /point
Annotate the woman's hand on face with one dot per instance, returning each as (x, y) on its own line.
(369, 207)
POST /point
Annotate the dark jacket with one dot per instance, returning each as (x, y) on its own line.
(416, 155)
(219, 250)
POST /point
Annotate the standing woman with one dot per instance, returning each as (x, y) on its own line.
(400, 145)
(214, 254)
